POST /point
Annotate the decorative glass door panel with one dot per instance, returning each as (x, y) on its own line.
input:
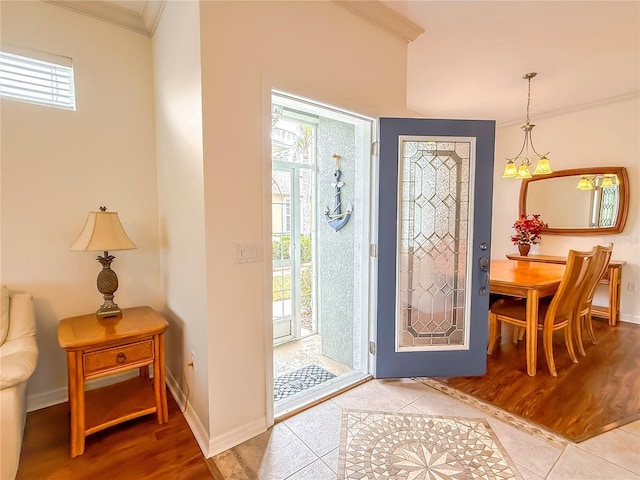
(432, 255)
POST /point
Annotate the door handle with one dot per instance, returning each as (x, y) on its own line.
(484, 267)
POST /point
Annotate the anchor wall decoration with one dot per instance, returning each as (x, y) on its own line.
(335, 217)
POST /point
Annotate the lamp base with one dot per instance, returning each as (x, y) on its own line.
(107, 284)
(108, 310)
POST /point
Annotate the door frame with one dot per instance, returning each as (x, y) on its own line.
(371, 217)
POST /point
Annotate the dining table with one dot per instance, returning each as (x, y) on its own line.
(531, 281)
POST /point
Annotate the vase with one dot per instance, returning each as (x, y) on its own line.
(524, 248)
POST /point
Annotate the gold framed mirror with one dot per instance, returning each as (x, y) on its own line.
(578, 201)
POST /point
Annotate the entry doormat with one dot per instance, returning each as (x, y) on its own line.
(301, 379)
(381, 446)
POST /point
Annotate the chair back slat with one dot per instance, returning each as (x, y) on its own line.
(567, 296)
(598, 268)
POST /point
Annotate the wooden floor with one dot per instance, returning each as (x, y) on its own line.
(598, 394)
(140, 449)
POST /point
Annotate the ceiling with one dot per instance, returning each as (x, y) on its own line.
(470, 59)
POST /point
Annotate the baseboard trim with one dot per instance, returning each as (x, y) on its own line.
(630, 319)
(236, 436)
(47, 399)
(199, 431)
(213, 446)
(61, 395)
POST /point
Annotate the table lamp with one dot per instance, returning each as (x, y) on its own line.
(103, 232)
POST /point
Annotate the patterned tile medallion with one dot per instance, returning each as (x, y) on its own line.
(398, 446)
(301, 379)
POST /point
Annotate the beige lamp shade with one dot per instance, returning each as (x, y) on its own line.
(102, 232)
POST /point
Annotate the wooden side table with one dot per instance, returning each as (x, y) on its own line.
(612, 277)
(98, 347)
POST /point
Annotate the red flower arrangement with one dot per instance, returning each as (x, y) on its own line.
(528, 230)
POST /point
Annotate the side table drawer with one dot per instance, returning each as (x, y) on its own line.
(117, 358)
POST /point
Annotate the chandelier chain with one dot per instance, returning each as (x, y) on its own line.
(528, 98)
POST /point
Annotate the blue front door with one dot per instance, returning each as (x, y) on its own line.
(434, 236)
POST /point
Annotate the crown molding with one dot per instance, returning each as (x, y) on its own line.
(151, 14)
(576, 108)
(383, 17)
(143, 22)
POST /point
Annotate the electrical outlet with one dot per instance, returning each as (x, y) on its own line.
(632, 287)
(192, 364)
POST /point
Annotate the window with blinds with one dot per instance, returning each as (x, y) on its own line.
(47, 80)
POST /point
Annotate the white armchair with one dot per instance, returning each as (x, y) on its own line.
(18, 358)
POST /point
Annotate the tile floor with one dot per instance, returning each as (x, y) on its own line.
(291, 356)
(305, 446)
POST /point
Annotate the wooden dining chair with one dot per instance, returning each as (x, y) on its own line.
(583, 319)
(557, 314)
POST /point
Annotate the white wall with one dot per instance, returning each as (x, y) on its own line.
(57, 165)
(318, 49)
(599, 134)
(176, 54)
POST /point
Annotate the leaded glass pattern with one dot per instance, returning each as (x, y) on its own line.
(608, 206)
(432, 248)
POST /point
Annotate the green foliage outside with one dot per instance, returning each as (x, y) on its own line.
(305, 248)
(282, 283)
(280, 291)
(281, 248)
(282, 288)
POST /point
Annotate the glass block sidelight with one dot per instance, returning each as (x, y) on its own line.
(432, 246)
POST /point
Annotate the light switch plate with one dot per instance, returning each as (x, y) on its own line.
(246, 253)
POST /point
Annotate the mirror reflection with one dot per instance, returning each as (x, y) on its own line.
(589, 201)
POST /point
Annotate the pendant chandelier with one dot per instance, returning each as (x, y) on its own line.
(521, 170)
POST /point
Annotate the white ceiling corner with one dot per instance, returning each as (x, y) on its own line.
(138, 15)
(384, 17)
(151, 14)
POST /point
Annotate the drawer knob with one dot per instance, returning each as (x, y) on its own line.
(121, 357)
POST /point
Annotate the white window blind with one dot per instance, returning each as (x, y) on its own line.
(37, 81)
